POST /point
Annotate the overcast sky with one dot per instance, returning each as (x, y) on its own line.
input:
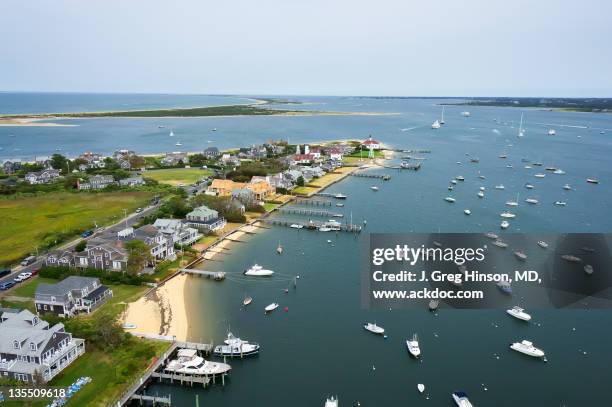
(316, 47)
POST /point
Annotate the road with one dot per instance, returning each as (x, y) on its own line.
(114, 228)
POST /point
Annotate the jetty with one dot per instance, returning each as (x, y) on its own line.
(312, 225)
(215, 275)
(384, 177)
(314, 202)
(310, 212)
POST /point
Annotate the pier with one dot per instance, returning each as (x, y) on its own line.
(152, 399)
(336, 195)
(312, 225)
(314, 202)
(215, 275)
(384, 177)
(310, 212)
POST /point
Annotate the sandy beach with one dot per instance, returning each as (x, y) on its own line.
(31, 122)
(162, 311)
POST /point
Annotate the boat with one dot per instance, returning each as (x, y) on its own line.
(331, 402)
(454, 181)
(519, 313)
(543, 244)
(507, 215)
(532, 201)
(128, 326)
(421, 387)
(474, 160)
(539, 175)
(247, 300)
(480, 194)
(179, 144)
(592, 181)
(538, 164)
(467, 211)
(528, 167)
(460, 178)
(435, 125)
(340, 196)
(481, 177)
(559, 171)
(509, 166)
(258, 271)
(339, 205)
(482, 188)
(503, 156)
(413, 346)
(442, 117)
(520, 255)
(505, 287)
(499, 243)
(461, 399)
(521, 132)
(551, 168)
(160, 126)
(296, 226)
(235, 347)
(567, 187)
(527, 348)
(375, 329)
(588, 269)
(188, 362)
(171, 134)
(433, 305)
(513, 203)
(214, 129)
(504, 225)
(500, 186)
(529, 186)
(323, 228)
(450, 188)
(465, 114)
(449, 199)
(279, 248)
(491, 235)
(560, 203)
(552, 132)
(571, 258)
(374, 188)
(271, 307)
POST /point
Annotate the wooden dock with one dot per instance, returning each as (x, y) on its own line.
(314, 202)
(312, 225)
(215, 275)
(384, 177)
(182, 379)
(167, 400)
(310, 212)
(336, 195)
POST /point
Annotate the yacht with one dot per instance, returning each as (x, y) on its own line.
(465, 114)
(331, 402)
(491, 235)
(449, 199)
(507, 215)
(271, 307)
(500, 186)
(504, 225)
(460, 178)
(521, 132)
(179, 144)
(435, 125)
(552, 132)
(467, 211)
(519, 313)
(571, 258)
(543, 244)
(529, 186)
(461, 399)
(499, 243)
(505, 287)
(539, 175)
(588, 269)
(374, 188)
(235, 347)
(559, 171)
(532, 201)
(592, 181)
(480, 194)
(567, 187)
(413, 346)
(188, 362)
(560, 203)
(520, 255)
(247, 300)
(258, 271)
(513, 203)
(296, 226)
(375, 329)
(527, 348)
(340, 196)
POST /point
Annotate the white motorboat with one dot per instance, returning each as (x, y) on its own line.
(519, 313)
(480, 194)
(178, 144)
(499, 243)
(482, 188)
(460, 178)
(528, 167)
(543, 244)
(413, 346)
(331, 402)
(559, 171)
(571, 258)
(339, 205)
(435, 125)
(449, 199)
(532, 201)
(503, 156)
(247, 300)
(465, 114)
(461, 399)
(491, 235)
(375, 329)
(296, 226)
(592, 181)
(504, 225)
(500, 186)
(539, 175)
(340, 196)
(271, 307)
(450, 188)
(235, 347)
(324, 228)
(507, 215)
(529, 186)
(552, 132)
(433, 305)
(467, 211)
(188, 362)
(481, 177)
(258, 271)
(588, 269)
(509, 166)
(520, 255)
(560, 203)
(421, 387)
(567, 187)
(374, 188)
(527, 348)
(454, 181)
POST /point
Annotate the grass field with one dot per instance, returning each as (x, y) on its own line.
(176, 176)
(28, 222)
(28, 288)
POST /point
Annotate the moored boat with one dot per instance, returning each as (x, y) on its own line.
(375, 329)
(543, 244)
(247, 300)
(258, 271)
(461, 399)
(188, 362)
(527, 348)
(271, 307)
(331, 402)
(413, 346)
(505, 287)
(519, 313)
(236, 347)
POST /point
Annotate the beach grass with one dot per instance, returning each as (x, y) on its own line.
(177, 176)
(40, 221)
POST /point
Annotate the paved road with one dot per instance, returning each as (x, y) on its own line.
(114, 228)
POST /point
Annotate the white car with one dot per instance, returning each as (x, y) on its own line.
(23, 276)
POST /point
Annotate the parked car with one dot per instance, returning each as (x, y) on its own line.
(5, 272)
(138, 210)
(35, 271)
(22, 277)
(6, 285)
(28, 260)
(87, 233)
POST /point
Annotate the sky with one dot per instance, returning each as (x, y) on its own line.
(309, 47)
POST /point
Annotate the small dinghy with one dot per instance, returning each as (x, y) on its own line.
(271, 307)
(247, 301)
(421, 387)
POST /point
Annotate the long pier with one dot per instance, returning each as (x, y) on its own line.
(314, 202)
(310, 212)
(311, 225)
(384, 177)
(167, 400)
(215, 275)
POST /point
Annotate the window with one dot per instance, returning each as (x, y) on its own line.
(16, 344)
(32, 346)
(35, 320)
(52, 299)
(45, 307)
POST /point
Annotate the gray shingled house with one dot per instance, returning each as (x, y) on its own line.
(71, 296)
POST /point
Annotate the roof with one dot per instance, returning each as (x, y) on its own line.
(146, 231)
(212, 150)
(66, 285)
(203, 212)
(370, 141)
(301, 157)
(226, 184)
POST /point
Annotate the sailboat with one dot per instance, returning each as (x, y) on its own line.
(513, 203)
(171, 134)
(279, 249)
(435, 124)
(442, 118)
(521, 132)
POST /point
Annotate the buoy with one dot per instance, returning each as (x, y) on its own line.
(286, 309)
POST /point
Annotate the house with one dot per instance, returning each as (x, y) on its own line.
(30, 347)
(211, 153)
(370, 143)
(42, 177)
(132, 182)
(11, 166)
(92, 160)
(101, 253)
(261, 188)
(335, 153)
(63, 258)
(281, 180)
(71, 296)
(315, 151)
(177, 232)
(230, 160)
(205, 219)
(175, 158)
(123, 158)
(223, 187)
(96, 182)
(294, 174)
(312, 172)
(303, 158)
(161, 247)
(253, 153)
(244, 195)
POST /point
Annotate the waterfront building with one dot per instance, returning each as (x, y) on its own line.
(71, 296)
(370, 144)
(205, 219)
(132, 182)
(96, 182)
(177, 232)
(42, 177)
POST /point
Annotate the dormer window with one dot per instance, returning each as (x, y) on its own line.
(34, 320)
(16, 344)
(32, 346)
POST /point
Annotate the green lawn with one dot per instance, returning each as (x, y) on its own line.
(27, 222)
(176, 176)
(364, 154)
(28, 289)
(269, 207)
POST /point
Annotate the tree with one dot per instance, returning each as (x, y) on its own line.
(137, 161)
(59, 162)
(139, 256)
(300, 181)
(80, 246)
